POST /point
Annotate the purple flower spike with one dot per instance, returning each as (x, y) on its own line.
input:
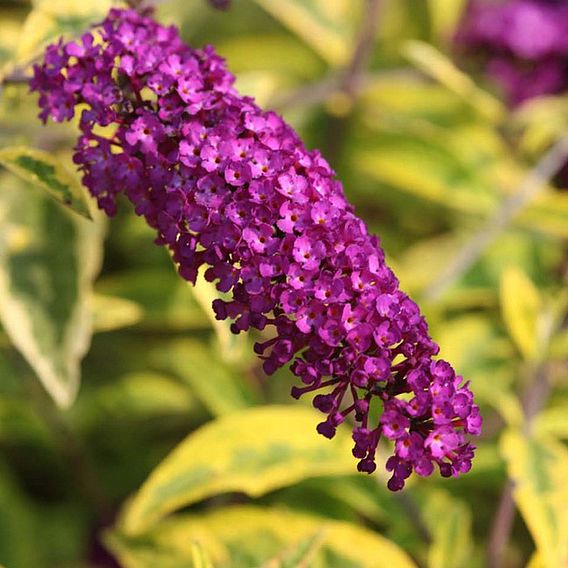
(523, 42)
(232, 187)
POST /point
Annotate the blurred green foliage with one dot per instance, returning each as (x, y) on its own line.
(166, 419)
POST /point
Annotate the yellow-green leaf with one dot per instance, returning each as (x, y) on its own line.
(438, 66)
(199, 557)
(263, 86)
(543, 120)
(520, 307)
(435, 174)
(466, 342)
(52, 18)
(165, 299)
(536, 561)
(445, 16)
(219, 386)
(141, 394)
(18, 525)
(538, 468)
(10, 32)
(47, 172)
(422, 262)
(449, 522)
(280, 54)
(233, 347)
(299, 555)
(321, 24)
(553, 421)
(249, 536)
(110, 313)
(253, 451)
(146, 555)
(48, 261)
(548, 213)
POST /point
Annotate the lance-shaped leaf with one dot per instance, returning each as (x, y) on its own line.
(435, 64)
(49, 19)
(47, 172)
(252, 451)
(48, 261)
(445, 16)
(299, 555)
(521, 305)
(449, 522)
(325, 26)
(199, 557)
(251, 536)
(233, 348)
(219, 386)
(538, 468)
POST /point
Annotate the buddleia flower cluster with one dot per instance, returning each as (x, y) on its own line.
(522, 43)
(230, 187)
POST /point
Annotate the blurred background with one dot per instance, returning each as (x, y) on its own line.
(447, 122)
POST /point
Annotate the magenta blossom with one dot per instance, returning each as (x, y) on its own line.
(523, 44)
(231, 187)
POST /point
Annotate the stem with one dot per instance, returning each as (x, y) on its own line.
(534, 400)
(548, 166)
(351, 80)
(363, 49)
(320, 91)
(16, 77)
(220, 4)
(311, 94)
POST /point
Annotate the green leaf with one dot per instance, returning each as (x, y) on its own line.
(143, 394)
(280, 54)
(165, 299)
(248, 536)
(449, 522)
(360, 494)
(490, 387)
(233, 347)
(47, 172)
(553, 421)
(50, 19)
(400, 100)
(300, 555)
(321, 24)
(548, 213)
(10, 33)
(438, 66)
(138, 554)
(538, 468)
(253, 451)
(436, 175)
(48, 261)
(536, 561)
(110, 313)
(199, 557)
(466, 342)
(423, 261)
(445, 16)
(17, 526)
(543, 120)
(220, 387)
(263, 86)
(520, 307)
